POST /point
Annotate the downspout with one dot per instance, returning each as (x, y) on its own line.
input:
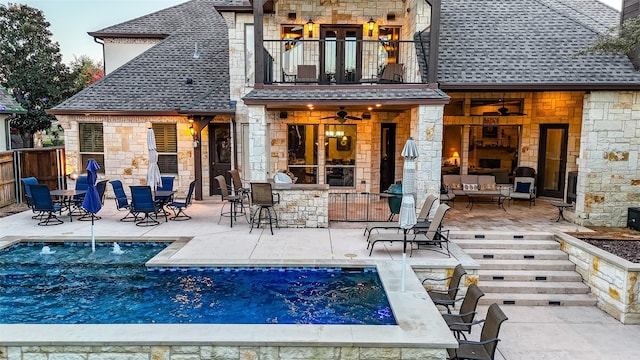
(434, 43)
(104, 65)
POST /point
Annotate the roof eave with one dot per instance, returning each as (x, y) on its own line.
(89, 112)
(102, 35)
(537, 87)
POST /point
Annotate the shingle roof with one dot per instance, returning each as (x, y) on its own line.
(8, 105)
(502, 43)
(156, 80)
(409, 95)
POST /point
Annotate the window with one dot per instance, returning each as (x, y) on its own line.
(167, 146)
(340, 154)
(302, 147)
(91, 144)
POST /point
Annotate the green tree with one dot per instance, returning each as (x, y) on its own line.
(84, 72)
(619, 40)
(31, 65)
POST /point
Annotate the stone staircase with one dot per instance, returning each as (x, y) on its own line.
(526, 269)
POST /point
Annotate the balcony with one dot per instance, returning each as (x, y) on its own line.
(340, 62)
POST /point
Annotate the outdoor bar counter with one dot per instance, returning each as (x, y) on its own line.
(302, 205)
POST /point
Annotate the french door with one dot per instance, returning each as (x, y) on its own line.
(552, 160)
(340, 54)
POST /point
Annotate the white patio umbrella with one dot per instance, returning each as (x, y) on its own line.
(153, 173)
(407, 218)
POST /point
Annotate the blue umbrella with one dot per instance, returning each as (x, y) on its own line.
(92, 201)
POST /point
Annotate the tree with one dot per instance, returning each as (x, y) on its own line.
(31, 66)
(619, 40)
(84, 72)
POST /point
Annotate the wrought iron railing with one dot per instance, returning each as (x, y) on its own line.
(328, 62)
(359, 207)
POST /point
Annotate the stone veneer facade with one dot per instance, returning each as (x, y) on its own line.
(609, 176)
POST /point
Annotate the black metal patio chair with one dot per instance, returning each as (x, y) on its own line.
(485, 349)
(447, 298)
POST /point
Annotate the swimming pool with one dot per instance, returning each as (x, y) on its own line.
(66, 283)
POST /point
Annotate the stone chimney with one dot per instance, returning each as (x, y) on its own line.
(631, 9)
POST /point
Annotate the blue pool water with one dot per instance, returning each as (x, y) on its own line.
(72, 285)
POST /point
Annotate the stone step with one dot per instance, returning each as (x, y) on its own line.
(499, 235)
(518, 254)
(553, 265)
(508, 244)
(538, 299)
(525, 275)
(528, 287)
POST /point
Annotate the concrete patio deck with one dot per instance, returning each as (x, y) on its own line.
(530, 333)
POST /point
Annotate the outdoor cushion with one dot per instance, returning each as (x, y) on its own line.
(456, 186)
(470, 187)
(522, 187)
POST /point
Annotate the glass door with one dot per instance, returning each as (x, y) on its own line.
(340, 54)
(552, 160)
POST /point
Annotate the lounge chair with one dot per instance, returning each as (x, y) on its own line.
(179, 206)
(484, 349)
(447, 298)
(463, 321)
(430, 237)
(423, 217)
(43, 205)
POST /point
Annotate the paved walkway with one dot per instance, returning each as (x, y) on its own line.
(530, 332)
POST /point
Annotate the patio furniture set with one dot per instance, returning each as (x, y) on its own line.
(483, 188)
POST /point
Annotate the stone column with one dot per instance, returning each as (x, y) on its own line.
(258, 143)
(427, 130)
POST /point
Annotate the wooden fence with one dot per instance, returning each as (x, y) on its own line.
(46, 164)
(7, 179)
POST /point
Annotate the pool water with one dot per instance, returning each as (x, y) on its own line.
(72, 285)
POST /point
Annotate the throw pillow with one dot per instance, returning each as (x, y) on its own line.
(470, 187)
(443, 190)
(523, 187)
(455, 186)
(491, 186)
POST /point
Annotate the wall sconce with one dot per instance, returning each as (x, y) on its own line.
(370, 25)
(193, 133)
(309, 26)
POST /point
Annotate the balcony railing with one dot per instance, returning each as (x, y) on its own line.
(328, 62)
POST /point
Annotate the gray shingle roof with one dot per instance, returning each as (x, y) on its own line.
(8, 105)
(501, 43)
(410, 95)
(156, 80)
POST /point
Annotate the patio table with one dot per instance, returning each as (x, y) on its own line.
(66, 198)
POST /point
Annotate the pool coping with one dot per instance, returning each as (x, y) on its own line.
(419, 322)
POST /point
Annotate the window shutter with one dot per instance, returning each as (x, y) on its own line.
(91, 137)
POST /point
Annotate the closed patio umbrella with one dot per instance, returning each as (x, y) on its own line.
(91, 201)
(153, 173)
(407, 218)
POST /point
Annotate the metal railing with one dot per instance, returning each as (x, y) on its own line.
(359, 207)
(338, 61)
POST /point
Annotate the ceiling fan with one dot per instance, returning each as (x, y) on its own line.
(342, 116)
(504, 111)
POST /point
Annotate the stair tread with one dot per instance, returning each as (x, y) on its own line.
(514, 251)
(529, 275)
(538, 299)
(523, 261)
(527, 284)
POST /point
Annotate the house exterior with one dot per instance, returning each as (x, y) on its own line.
(329, 90)
(8, 106)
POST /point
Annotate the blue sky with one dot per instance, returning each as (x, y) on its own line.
(72, 19)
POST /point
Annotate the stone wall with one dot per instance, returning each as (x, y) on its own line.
(214, 352)
(303, 208)
(613, 280)
(608, 177)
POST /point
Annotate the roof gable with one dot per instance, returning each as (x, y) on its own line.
(8, 105)
(168, 78)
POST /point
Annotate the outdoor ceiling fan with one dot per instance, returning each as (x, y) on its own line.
(342, 116)
(504, 111)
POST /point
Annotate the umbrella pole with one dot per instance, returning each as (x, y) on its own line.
(93, 238)
(404, 260)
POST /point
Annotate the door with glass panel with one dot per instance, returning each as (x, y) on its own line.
(340, 54)
(552, 160)
(221, 153)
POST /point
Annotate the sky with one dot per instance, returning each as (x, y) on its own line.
(71, 20)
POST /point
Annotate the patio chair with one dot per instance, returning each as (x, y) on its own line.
(227, 197)
(523, 189)
(166, 184)
(429, 237)
(179, 206)
(75, 207)
(306, 74)
(26, 182)
(263, 197)
(238, 189)
(101, 187)
(44, 205)
(463, 321)
(484, 349)
(142, 202)
(423, 217)
(447, 298)
(392, 73)
(122, 203)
